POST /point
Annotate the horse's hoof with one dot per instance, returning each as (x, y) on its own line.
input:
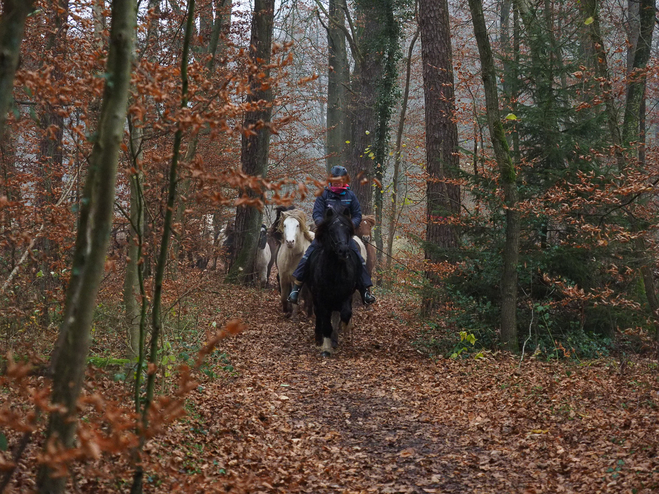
(325, 354)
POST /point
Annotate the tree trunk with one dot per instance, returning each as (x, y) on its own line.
(508, 181)
(390, 38)
(12, 25)
(443, 200)
(219, 27)
(159, 276)
(69, 359)
(254, 155)
(637, 76)
(393, 217)
(633, 132)
(136, 216)
(338, 80)
(632, 123)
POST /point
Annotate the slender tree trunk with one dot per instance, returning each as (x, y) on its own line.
(507, 179)
(219, 27)
(386, 95)
(590, 10)
(69, 360)
(136, 216)
(338, 80)
(159, 276)
(398, 154)
(638, 76)
(443, 199)
(631, 131)
(254, 155)
(12, 25)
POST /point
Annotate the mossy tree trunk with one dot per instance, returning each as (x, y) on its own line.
(508, 179)
(69, 360)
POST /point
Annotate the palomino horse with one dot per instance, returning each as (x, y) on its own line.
(296, 239)
(332, 273)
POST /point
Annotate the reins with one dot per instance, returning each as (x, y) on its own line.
(392, 257)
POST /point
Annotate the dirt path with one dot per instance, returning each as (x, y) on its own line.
(380, 417)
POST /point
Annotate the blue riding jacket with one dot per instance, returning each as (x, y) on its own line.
(329, 199)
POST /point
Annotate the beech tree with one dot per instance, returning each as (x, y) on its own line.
(69, 359)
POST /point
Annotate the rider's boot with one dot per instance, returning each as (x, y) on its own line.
(295, 293)
(367, 296)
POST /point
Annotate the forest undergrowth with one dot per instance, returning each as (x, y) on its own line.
(269, 414)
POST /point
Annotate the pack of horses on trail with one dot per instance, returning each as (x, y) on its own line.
(332, 270)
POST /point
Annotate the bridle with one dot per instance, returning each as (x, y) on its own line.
(334, 234)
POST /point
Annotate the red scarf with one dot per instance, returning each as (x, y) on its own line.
(339, 189)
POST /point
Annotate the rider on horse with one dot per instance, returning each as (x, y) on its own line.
(336, 193)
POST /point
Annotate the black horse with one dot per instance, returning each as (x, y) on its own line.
(332, 275)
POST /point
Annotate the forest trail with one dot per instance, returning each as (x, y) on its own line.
(380, 417)
(361, 420)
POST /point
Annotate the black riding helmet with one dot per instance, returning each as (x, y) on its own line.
(339, 171)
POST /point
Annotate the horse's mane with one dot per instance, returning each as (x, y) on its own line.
(274, 230)
(301, 217)
(321, 230)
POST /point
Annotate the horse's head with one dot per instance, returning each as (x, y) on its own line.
(293, 226)
(336, 231)
(364, 229)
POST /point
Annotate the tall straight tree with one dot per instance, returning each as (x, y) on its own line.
(69, 359)
(338, 81)
(508, 180)
(256, 138)
(443, 199)
(51, 147)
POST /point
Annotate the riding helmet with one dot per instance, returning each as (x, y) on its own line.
(338, 171)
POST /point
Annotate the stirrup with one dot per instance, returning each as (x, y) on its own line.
(293, 296)
(368, 297)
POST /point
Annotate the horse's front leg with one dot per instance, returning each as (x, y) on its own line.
(324, 331)
(336, 324)
(285, 304)
(346, 316)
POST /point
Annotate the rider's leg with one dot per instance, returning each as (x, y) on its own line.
(299, 273)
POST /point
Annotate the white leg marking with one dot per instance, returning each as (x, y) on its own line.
(327, 345)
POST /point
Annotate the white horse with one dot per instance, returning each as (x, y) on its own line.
(262, 258)
(296, 239)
